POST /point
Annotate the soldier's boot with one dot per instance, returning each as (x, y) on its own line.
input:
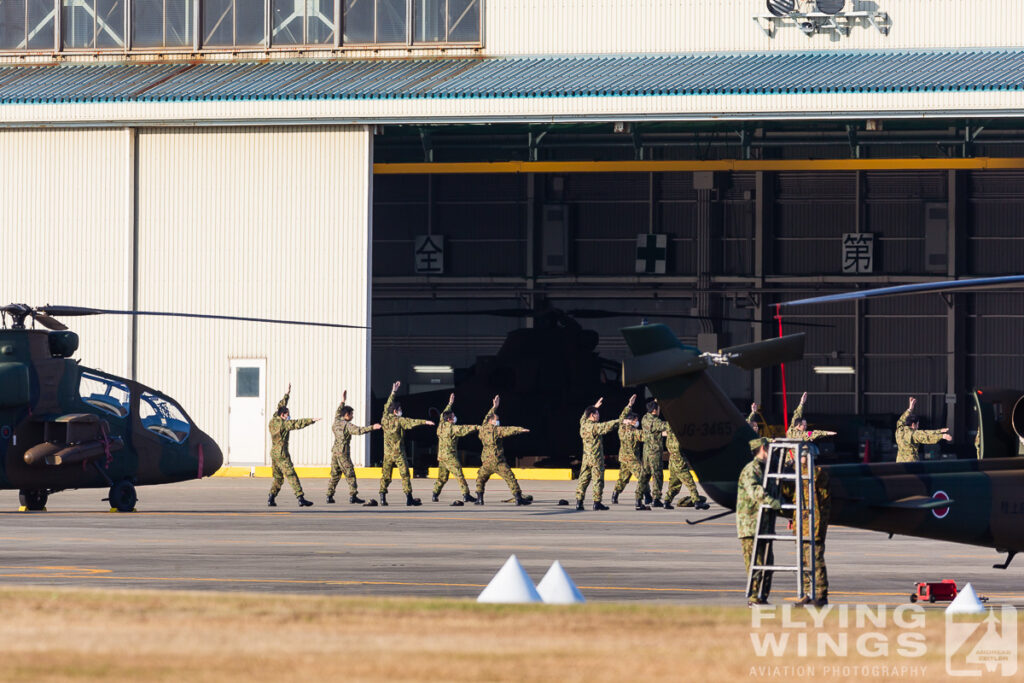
(384, 498)
(303, 503)
(355, 499)
(270, 501)
(640, 505)
(466, 498)
(668, 504)
(330, 499)
(479, 498)
(410, 501)
(433, 498)
(657, 503)
(522, 500)
(615, 497)
(600, 506)
(579, 504)
(647, 497)
(702, 503)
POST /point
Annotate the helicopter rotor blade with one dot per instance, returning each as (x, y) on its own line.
(48, 322)
(766, 353)
(588, 313)
(501, 312)
(74, 310)
(972, 285)
(68, 311)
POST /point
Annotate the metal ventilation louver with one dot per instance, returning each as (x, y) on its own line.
(781, 8)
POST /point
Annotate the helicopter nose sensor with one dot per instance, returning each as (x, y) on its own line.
(209, 455)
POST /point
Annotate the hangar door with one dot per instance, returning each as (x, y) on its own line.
(265, 222)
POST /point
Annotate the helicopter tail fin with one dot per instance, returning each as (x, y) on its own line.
(713, 434)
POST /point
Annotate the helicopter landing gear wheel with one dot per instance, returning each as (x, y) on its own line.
(122, 496)
(32, 500)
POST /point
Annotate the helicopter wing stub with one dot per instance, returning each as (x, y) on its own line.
(972, 285)
(767, 353)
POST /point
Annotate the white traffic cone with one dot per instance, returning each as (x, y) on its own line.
(556, 588)
(966, 602)
(510, 585)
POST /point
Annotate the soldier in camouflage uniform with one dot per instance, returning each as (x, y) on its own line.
(653, 429)
(341, 452)
(909, 438)
(798, 425)
(750, 494)
(394, 426)
(752, 419)
(592, 434)
(631, 459)
(679, 474)
(822, 500)
(448, 435)
(493, 456)
(281, 426)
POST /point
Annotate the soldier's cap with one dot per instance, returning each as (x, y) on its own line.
(755, 444)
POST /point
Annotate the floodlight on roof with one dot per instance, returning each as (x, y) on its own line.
(781, 8)
(830, 6)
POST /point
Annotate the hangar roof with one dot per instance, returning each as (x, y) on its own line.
(533, 77)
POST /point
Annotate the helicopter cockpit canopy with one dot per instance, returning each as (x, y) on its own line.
(109, 395)
(163, 417)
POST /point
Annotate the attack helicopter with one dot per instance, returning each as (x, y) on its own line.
(975, 501)
(66, 426)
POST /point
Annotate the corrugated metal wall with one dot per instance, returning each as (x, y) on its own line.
(257, 222)
(69, 243)
(651, 26)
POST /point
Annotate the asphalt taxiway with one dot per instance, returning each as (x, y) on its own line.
(218, 534)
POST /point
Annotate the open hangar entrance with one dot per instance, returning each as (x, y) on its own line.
(737, 217)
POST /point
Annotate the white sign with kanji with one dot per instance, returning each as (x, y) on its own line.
(429, 255)
(858, 252)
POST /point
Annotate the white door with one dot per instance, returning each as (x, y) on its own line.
(247, 422)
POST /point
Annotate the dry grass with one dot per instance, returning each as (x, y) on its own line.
(79, 635)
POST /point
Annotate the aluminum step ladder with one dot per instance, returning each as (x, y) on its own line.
(784, 466)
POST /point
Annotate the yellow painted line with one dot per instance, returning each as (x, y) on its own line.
(522, 473)
(975, 163)
(525, 474)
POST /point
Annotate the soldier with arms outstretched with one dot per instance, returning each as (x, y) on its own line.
(592, 434)
(798, 425)
(394, 426)
(281, 427)
(493, 455)
(909, 438)
(341, 452)
(631, 462)
(448, 435)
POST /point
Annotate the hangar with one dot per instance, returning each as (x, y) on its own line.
(337, 159)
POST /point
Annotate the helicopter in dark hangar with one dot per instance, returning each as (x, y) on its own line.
(546, 375)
